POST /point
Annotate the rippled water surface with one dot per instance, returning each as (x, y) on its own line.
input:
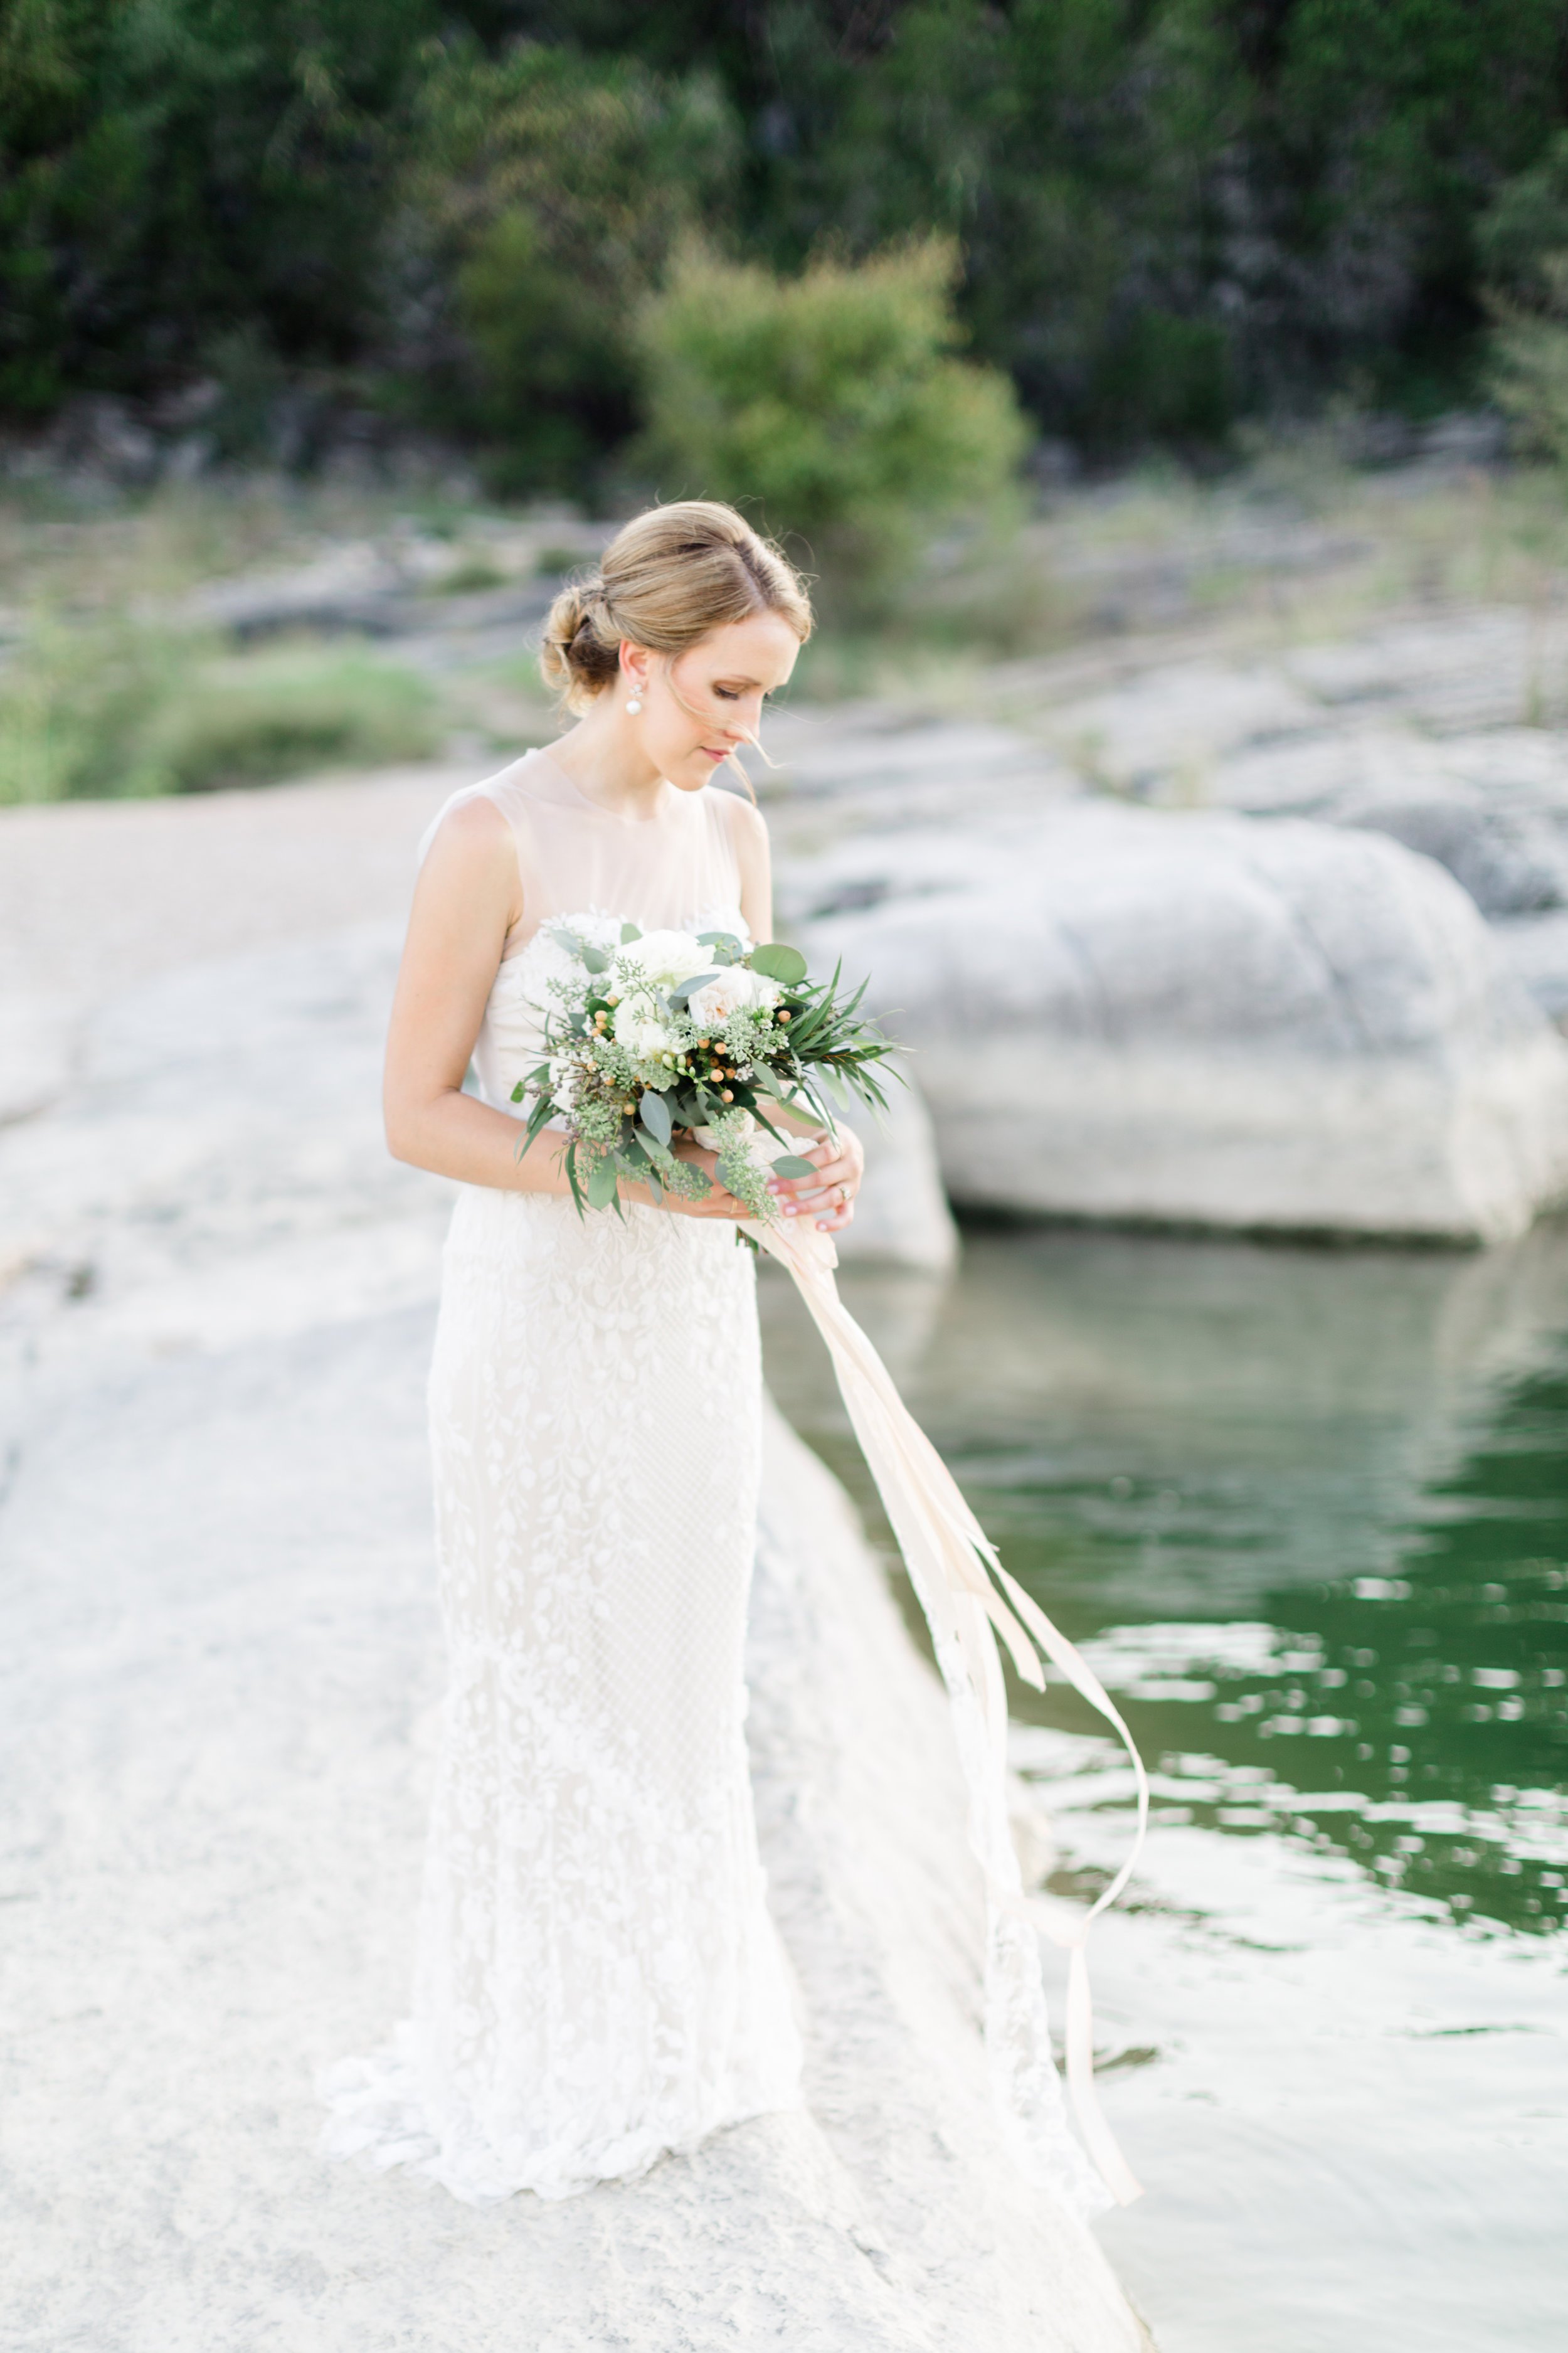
(1308, 1514)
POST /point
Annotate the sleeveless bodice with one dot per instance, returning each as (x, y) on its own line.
(677, 869)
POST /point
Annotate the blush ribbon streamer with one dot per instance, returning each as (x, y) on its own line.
(969, 1600)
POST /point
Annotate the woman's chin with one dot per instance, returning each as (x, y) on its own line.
(691, 774)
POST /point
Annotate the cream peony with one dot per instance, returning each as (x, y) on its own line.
(639, 1029)
(665, 958)
(733, 990)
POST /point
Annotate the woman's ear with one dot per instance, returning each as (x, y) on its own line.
(636, 663)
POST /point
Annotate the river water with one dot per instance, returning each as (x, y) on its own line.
(1307, 1512)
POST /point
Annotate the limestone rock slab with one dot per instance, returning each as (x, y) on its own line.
(1125, 1013)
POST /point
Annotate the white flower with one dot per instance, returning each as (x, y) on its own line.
(639, 1029)
(736, 989)
(665, 958)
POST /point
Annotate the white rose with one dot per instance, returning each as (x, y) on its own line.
(639, 1029)
(733, 990)
(666, 958)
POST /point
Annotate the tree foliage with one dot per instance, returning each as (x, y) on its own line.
(544, 193)
(1168, 210)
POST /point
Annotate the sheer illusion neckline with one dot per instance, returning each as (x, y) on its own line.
(670, 796)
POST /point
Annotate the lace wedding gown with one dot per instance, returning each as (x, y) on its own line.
(598, 1979)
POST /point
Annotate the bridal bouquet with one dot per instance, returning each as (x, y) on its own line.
(648, 1034)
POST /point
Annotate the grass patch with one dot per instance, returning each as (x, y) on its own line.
(469, 575)
(117, 708)
(254, 719)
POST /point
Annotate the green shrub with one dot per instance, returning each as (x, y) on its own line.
(118, 708)
(256, 718)
(1530, 359)
(833, 403)
(546, 193)
(1526, 225)
(76, 703)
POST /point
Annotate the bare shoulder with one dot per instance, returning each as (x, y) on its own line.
(474, 827)
(472, 843)
(469, 873)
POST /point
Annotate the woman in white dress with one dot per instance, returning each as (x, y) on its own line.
(598, 1979)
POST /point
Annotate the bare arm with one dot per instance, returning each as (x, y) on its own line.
(467, 897)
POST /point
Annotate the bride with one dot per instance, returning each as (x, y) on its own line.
(598, 1979)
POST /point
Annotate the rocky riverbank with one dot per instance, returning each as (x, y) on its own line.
(222, 1658)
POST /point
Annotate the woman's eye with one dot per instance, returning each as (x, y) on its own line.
(726, 694)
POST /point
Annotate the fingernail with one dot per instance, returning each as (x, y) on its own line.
(789, 1209)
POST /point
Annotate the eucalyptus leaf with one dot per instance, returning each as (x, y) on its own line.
(602, 1181)
(595, 959)
(683, 989)
(629, 933)
(794, 1165)
(727, 946)
(777, 961)
(654, 1112)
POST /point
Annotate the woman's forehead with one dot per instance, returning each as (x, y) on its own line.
(759, 651)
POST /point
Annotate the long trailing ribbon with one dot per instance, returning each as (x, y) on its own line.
(969, 1600)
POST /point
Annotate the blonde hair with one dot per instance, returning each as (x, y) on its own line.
(667, 580)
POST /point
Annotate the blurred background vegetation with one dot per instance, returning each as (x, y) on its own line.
(883, 269)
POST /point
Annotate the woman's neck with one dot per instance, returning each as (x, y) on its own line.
(605, 756)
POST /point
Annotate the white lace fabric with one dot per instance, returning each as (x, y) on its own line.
(598, 1979)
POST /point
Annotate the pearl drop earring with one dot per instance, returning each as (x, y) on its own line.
(634, 703)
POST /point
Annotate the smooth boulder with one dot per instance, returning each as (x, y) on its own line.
(902, 1216)
(1203, 1019)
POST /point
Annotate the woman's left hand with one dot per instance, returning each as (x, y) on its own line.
(828, 1195)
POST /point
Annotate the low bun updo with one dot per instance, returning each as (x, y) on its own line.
(668, 579)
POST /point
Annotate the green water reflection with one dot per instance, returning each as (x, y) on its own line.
(1307, 1512)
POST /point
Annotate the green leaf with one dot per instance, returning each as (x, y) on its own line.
(602, 1179)
(654, 1112)
(595, 959)
(683, 989)
(725, 943)
(629, 933)
(794, 1165)
(780, 963)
